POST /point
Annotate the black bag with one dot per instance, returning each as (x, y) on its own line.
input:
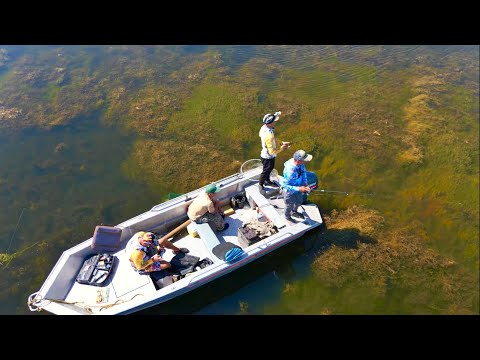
(183, 263)
(238, 201)
(96, 269)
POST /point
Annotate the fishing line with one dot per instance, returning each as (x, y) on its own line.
(16, 227)
(346, 193)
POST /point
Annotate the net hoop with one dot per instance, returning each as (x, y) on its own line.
(251, 169)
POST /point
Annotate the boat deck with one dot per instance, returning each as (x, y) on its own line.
(124, 283)
(126, 291)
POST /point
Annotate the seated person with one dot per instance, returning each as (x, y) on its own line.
(146, 253)
(205, 208)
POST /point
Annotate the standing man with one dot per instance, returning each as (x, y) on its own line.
(295, 183)
(269, 148)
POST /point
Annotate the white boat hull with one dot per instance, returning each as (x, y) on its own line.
(129, 292)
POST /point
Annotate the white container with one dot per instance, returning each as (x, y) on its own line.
(192, 231)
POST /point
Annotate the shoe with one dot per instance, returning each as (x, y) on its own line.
(262, 190)
(182, 250)
(225, 227)
(298, 215)
(204, 263)
(270, 183)
(290, 221)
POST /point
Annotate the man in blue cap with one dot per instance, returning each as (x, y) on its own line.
(205, 208)
(269, 148)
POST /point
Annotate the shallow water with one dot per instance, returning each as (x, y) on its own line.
(395, 127)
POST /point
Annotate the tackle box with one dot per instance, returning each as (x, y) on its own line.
(96, 269)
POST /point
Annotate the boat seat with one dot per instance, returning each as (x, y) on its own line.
(254, 198)
(106, 239)
(208, 236)
(126, 281)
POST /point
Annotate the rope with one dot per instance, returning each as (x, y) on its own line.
(88, 308)
(263, 229)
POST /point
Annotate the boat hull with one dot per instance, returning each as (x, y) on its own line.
(130, 292)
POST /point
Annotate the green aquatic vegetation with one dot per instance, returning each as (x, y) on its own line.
(443, 193)
(5, 259)
(243, 307)
(401, 123)
(216, 113)
(363, 260)
(213, 124)
(147, 112)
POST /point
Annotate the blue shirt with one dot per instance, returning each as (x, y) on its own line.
(294, 176)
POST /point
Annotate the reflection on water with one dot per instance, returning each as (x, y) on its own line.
(98, 134)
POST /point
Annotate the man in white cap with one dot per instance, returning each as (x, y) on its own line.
(295, 183)
(269, 148)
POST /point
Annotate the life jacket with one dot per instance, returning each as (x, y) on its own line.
(135, 245)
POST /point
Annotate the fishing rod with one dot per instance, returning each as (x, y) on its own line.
(346, 193)
(317, 191)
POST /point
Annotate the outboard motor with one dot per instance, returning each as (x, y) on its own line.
(312, 181)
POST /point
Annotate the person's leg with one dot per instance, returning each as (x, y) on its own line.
(297, 200)
(271, 166)
(289, 204)
(268, 165)
(169, 245)
(217, 221)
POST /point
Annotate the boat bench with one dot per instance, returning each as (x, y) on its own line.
(255, 198)
(208, 236)
(126, 280)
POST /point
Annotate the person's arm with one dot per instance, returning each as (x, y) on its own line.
(288, 173)
(218, 208)
(137, 258)
(304, 175)
(211, 207)
(269, 144)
